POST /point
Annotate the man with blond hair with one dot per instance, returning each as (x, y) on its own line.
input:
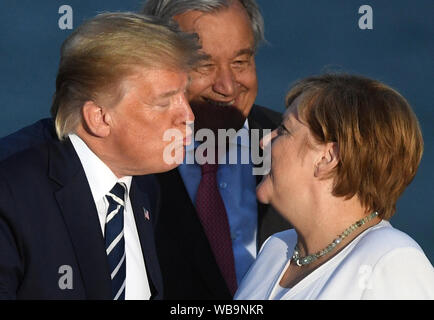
(74, 221)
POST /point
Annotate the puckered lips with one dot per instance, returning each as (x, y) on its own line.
(188, 136)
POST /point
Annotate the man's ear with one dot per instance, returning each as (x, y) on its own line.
(327, 161)
(96, 120)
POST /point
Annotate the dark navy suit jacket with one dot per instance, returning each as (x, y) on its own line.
(49, 224)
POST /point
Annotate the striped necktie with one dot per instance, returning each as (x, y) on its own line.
(114, 240)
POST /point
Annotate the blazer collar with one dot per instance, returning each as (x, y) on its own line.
(143, 217)
(76, 204)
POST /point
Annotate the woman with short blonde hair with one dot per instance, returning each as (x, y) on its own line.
(347, 148)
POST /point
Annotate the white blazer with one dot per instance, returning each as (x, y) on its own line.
(381, 263)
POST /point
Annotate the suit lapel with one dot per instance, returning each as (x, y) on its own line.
(143, 216)
(81, 219)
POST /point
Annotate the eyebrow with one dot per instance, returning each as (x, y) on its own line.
(241, 52)
(248, 51)
(168, 94)
(205, 56)
(173, 92)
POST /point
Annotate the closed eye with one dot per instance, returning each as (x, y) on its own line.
(281, 130)
(206, 65)
(240, 62)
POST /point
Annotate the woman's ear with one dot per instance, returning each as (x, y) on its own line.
(327, 161)
(96, 120)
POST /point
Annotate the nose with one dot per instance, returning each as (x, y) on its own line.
(268, 138)
(187, 114)
(225, 82)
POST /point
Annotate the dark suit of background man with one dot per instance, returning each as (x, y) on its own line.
(222, 93)
(75, 222)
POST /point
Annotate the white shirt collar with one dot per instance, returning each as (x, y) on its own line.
(243, 142)
(99, 176)
(246, 124)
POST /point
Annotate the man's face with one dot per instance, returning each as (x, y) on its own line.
(224, 87)
(154, 101)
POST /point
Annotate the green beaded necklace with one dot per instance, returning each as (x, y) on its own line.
(301, 261)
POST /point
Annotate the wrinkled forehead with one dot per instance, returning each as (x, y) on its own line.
(230, 23)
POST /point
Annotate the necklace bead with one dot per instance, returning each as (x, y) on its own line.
(301, 261)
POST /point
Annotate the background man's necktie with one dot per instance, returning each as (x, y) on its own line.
(114, 240)
(214, 219)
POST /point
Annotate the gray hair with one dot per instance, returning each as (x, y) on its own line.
(167, 9)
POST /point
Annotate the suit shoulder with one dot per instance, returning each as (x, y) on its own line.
(266, 117)
(387, 237)
(380, 241)
(27, 137)
(25, 163)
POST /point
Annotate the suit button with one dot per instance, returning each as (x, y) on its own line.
(223, 185)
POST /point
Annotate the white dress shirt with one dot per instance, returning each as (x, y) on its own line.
(381, 263)
(101, 180)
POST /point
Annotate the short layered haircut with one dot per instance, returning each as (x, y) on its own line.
(378, 136)
(103, 51)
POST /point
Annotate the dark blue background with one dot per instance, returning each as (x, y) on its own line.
(305, 38)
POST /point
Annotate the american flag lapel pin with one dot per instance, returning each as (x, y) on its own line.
(146, 213)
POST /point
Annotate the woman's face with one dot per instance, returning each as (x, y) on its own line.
(292, 165)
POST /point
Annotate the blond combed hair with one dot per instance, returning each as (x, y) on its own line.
(99, 54)
(378, 135)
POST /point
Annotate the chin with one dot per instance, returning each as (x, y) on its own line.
(262, 195)
(160, 166)
(263, 199)
(160, 169)
(264, 190)
(174, 162)
(179, 159)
